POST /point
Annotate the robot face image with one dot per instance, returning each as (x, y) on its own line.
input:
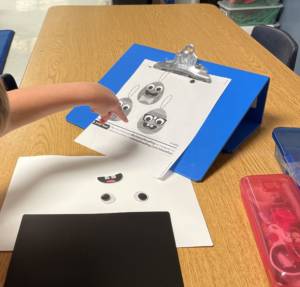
(126, 105)
(152, 121)
(151, 93)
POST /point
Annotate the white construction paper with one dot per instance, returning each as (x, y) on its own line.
(165, 112)
(70, 185)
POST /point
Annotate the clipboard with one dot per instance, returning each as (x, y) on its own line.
(236, 115)
(6, 37)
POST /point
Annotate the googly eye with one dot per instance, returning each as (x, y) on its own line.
(148, 118)
(126, 107)
(107, 198)
(160, 121)
(150, 87)
(159, 89)
(141, 196)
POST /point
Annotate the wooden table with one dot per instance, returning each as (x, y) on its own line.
(82, 43)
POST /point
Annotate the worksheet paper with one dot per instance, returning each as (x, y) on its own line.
(93, 185)
(165, 112)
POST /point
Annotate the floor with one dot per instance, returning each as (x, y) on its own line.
(25, 17)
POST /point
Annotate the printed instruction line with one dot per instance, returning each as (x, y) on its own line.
(169, 149)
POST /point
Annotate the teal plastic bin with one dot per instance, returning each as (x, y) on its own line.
(238, 3)
(251, 15)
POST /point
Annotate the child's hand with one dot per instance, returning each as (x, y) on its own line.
(104, 102)
(29, 104)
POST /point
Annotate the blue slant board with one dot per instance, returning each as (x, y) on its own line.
(287, 150)
(229, 123)
(6, 37)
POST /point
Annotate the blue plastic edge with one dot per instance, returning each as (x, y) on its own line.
(6, 37)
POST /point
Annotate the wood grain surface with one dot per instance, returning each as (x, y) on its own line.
(82, 43)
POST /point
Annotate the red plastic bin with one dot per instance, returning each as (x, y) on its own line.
(272, 203)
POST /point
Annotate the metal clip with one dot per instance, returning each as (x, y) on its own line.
(185, 63)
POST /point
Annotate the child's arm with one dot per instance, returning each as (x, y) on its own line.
(30, 104)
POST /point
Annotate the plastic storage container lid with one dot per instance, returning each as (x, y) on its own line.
(229, 7)
(287, 142)
(272, 203)
(249, 3)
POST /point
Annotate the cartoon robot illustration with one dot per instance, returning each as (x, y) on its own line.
(154, 120)
(153, 92)
(126, 103)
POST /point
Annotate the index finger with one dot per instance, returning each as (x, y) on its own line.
(119, 112)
